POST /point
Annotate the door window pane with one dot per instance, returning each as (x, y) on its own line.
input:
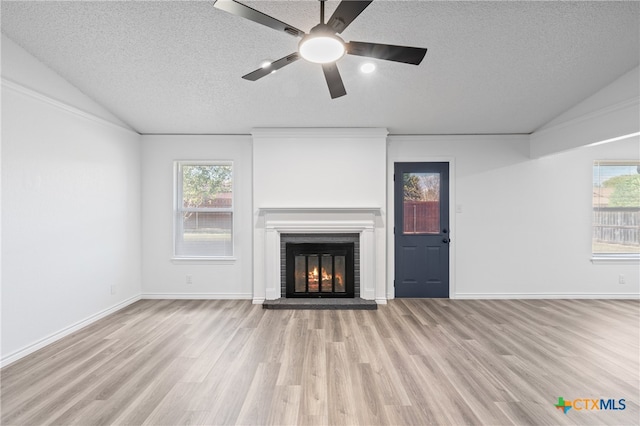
(421, 203)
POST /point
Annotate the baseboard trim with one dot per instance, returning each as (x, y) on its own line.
(52, 338)
(381, 300)
(212, 296)
(546, 296)
(258, 300)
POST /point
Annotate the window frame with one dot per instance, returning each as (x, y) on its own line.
(597, 257)
(179, 209)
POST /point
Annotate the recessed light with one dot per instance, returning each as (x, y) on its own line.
(367, 68)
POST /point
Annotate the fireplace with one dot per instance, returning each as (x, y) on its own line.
(320, 270)
(281, 226)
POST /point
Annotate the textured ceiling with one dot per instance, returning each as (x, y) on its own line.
(175, 66)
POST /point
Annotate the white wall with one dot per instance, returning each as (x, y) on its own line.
(319, 167)
(164, 277)
(70, 210)
(524, 229)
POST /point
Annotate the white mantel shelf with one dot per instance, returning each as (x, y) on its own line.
(371, 210)
(320, 219)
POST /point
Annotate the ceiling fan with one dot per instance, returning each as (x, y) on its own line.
(322, 45)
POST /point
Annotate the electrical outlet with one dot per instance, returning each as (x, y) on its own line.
(113, 289)
(621, 279)
(188, 280)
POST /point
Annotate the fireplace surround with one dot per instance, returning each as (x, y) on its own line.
(357, 222)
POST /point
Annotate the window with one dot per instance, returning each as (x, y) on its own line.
(204, 210)
(616, 209)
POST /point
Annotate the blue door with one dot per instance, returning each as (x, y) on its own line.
(421, 229)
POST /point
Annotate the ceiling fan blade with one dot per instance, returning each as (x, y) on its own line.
(276, 65)
(345, 13)
(334, 81)
(406, 54)
(251, 14)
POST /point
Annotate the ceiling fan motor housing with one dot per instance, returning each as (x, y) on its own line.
(321, 45)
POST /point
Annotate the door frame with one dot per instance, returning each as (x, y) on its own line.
(391, 241)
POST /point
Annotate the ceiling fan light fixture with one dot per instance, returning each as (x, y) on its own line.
(321, 48)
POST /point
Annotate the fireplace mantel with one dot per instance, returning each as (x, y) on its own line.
(373, 210)
(319, 220)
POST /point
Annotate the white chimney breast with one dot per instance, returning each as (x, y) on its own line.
(319, 181)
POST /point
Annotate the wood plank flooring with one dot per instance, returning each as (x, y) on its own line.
(411, 362)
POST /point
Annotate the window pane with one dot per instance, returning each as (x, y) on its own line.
(205, 234)
(421, 203)
(327, 273)
(341, 276)
(300, 274)
(616, 208)
(206, 186)
(313, 273)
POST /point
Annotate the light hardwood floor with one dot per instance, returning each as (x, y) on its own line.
(448, 362)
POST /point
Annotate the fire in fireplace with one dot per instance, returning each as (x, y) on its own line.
(320, 270)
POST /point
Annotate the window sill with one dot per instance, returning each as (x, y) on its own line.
(204, 259)
(614, 259)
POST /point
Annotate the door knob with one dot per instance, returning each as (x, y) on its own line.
(446, 240)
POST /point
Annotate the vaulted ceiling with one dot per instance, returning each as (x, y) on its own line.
(176, 66)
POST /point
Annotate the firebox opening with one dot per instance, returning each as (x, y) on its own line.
(320, 270)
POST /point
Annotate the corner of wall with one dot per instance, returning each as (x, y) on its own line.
(609, 114)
